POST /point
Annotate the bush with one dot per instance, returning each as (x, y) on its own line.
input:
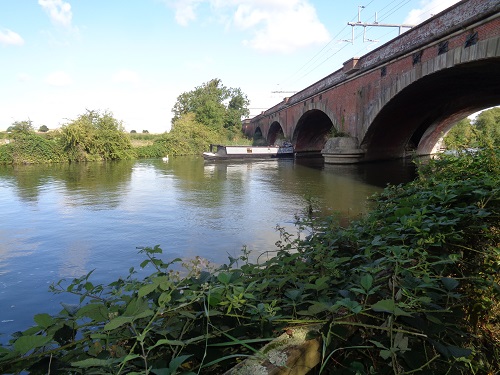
(29, 148)
(94, 136)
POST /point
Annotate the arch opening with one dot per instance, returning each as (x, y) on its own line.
(275, 136)
(417, 118)
(312, 131)
(258, 138)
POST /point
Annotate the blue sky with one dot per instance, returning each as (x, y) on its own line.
(134, 57)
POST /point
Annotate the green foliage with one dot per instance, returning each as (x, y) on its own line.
(187, 137)
(43, 129)
(21, 127)
(484, 131)
(29, 148)
(488, 123)
(411, 288)
(214, 106)
(94, 136)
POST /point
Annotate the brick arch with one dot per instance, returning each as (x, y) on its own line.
(312, 131)
(420, 106)
(275, 133)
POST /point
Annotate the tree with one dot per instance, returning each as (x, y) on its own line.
(462, 135)
(96, 136)
(488, 124)
(21, 127)
(133, 132)
(213, 105)
(145, 131)
(43, 129)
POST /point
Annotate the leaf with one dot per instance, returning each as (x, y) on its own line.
(96, 312)
(117, 322)
(146, 289)
(167, 342)
(136, 306)
(70, 308)
(389, 306)
(449, 283)
(293, 294)
(317, 307)
(451, 351)
(385, 354)
(367, 282)
(378, 344)
(26, 343)
(353, 306)
(224, 278)
(164, 298)
(92, 362)
(43, 320)
(176, 362)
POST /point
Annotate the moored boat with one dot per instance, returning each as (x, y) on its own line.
(243, 152)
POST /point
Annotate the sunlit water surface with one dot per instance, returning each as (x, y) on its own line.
(62, 221)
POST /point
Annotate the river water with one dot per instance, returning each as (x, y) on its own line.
(62, 221)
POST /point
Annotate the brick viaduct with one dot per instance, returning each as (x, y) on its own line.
(400, 98)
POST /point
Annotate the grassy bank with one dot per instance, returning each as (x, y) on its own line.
(412, 288)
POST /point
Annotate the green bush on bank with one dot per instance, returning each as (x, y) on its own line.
(411, 288)
(30, 148)
(95, 136)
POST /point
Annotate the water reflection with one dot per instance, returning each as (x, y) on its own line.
(95, 185)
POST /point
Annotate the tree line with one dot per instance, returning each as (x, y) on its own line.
(211, 113)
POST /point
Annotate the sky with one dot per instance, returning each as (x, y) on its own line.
(133, 58)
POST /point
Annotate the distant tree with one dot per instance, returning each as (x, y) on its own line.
(145, 131)
(43, 129)
(133, 132)
(488, 124)
(462, 135)
(214, 105)
(483, 130)
(22, 127)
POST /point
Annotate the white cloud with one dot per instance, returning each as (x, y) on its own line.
(126, 76)
(9, 37)
(59, 79)
(185, 10)
(427, 9)
(275, 25)
(59, 11)
(281, 26)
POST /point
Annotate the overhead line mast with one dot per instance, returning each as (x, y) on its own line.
(375, 23)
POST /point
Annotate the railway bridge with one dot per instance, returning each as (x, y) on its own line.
(400, 98)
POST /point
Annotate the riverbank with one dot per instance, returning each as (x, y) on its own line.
(413, 286)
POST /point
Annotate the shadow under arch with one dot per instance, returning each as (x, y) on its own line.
(312, 131)
(275, 133)
(417, 117)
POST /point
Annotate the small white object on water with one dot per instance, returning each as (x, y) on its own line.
(165, 158)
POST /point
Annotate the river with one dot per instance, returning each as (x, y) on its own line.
(62, 221)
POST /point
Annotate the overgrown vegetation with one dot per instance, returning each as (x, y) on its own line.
(411, 288)
(211, 113)
(484, 129)
(94, 136)
(26, 147)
